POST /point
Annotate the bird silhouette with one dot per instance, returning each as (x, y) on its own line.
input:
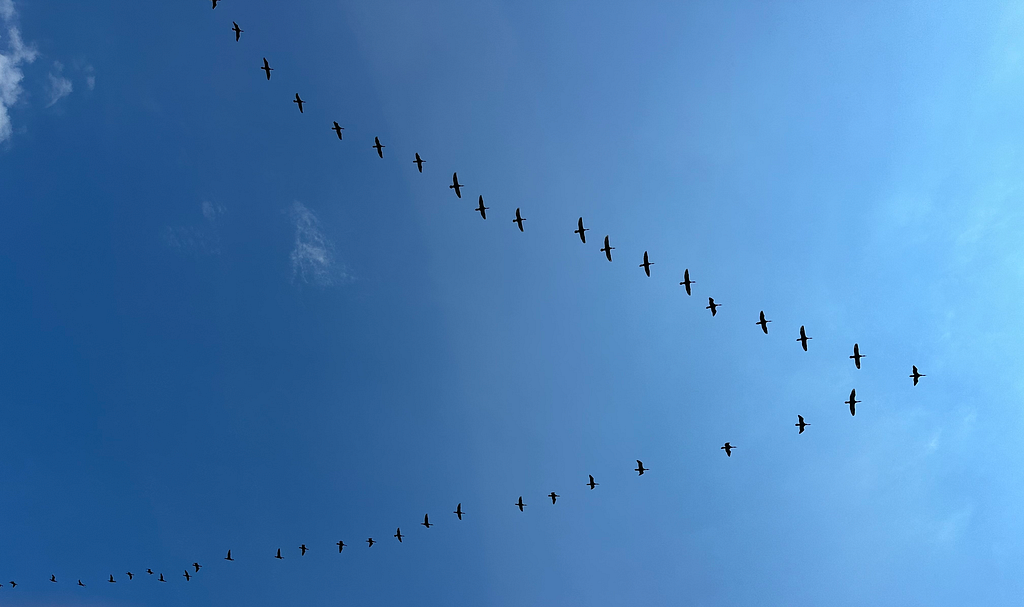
(238, 31)
(370, 542)
(131, 576)
(197, 566)
(341, 546)
(554, 496)
(80, 583)
(607, 249)
(582, 231)
(857, 355)
(302, 550)
(187, 576)
(398, 534)
(480, 208)
(456, 185)
(520, 504)
(801, 424)
(803, 338)
(712, 306)
(266, 68)
(686, 281)
(112, 580)
(916, 375)
(299, 101)
(853, 402)
(646, 265)
(279, 554)
(763, 322)
(53, 578)
(519, 220)
(215, 3)
(592, 484)
(419, 162)
(337, 128)
(161, 578)
(149, 571)
(728, 449)
(377, 145)
(640, 468)
(458, 511)
(426, 521)
(228, 557)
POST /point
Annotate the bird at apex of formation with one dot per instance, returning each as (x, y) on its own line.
(456, 185)
(377, 146)
(592, 484)
(857, 355)
(763, 322)
(916, 375)
(646, 265)
(458, 511)
(607, 249)
(419, 162)
(337, 128)
(197, 566)
(426, 521)
(519, 220)
(53, 578)
(228, 557)
(712, 306)
(187, 576)
(370, 542)
(131, 576)
(554, 496)
(341, 546)
(299, 101)
(278, 554)
(302, 550)
(238, 31)
(853, 402)
(398, 534)
(640, 468)
(480, 208)
(728, 449)
(801, 424)
(582, 231)
(686, 280)
(266, 68)
(803, 338)
(161, 579)
(112, 580)
(520, 504)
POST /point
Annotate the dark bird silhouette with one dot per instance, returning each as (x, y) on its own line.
(592, 484)
(853, 402)
(53, 578)
(803, 338)
(456, 185)
(131, 576)
(607, 249)
(646, 265)
(458, 511)
(80, 583)
(197, 566)
(341, 546)
(228, 557)
(238, 31)
(149, 571)
(554, 496)
(302, 550)
(398, 534)
(419, 162)
(582, 231)
(187, 576)
(801, 424)
(215, 3)
(278, 554)
(519, 220)
(712, 306)
(112, 580)
(377, 145)
(299, 101)
(480, 208)
(370, 542)
(266, 68)
(728, 449)
(857, 355)
(426, 521)
(763, 322)
(640, 468)
(161, 578)
(916, 375)
(520, 504)
(686, 280)
(337, 128)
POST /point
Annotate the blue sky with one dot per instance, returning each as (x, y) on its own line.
(222, 328)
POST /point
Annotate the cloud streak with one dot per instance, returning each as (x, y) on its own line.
(12, 57)
(313, 255)
(60, 86)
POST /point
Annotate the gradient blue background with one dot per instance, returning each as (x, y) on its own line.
(171, 386)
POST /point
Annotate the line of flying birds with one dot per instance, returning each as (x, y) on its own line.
(581, 231)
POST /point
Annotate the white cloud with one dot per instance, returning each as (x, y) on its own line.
(313, 255)
(200, 239)
(60, 86)
(11, 59)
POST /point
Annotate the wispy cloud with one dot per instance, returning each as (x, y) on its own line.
(11, 59)
(201, 239)
(90, 77)
(60, 86)
(313, 255)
